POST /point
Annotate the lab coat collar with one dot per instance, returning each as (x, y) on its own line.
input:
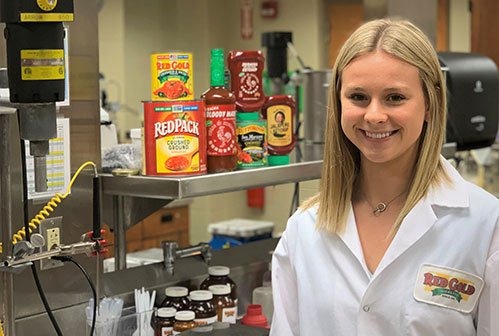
(453, 195)
(417, 222)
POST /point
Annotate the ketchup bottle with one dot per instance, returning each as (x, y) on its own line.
(280, 112)
(220, 119)
(246, 69)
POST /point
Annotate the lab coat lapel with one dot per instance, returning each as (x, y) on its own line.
(413, 227)
(351, 239)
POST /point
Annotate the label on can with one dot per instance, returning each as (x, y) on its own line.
(279, 125)
(175, 138)
(221, 125)
(252, 144)
(171, 76)
(43, 64)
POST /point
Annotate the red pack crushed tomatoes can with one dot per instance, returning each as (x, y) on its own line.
(171, 77)
(175, 138)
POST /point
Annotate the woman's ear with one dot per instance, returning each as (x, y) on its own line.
(427, 115)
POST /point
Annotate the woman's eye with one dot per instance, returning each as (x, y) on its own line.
(395, 98)
(357, 97)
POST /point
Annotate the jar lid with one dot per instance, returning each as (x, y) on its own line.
(278, 160)
(218, 270)
(167, 312)
(241, 116)
(219, 289)
(201, 295)
(185, 315)
(176, 291)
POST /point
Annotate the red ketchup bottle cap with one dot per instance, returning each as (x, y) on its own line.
(254, 317)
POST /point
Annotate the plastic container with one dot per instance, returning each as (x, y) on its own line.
(238, 231)
(124, 325)
(254, 317)
(202, 305)
(164, 322)
(220, 119)
(263, 297)
(280, 112)
(176, 297)
(246, 70)
(224, 304)
(251, 133)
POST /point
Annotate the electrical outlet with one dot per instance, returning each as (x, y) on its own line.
(51, 229)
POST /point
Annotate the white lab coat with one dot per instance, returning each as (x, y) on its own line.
(322, 287)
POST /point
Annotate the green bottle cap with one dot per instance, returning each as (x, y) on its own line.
(217, 67)
(278, 160)
(244, 116)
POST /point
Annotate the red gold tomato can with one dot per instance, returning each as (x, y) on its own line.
(171, 77)
(175, 138)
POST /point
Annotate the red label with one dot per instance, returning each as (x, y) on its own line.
(221, 125)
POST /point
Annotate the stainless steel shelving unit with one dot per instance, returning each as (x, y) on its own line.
(172, 188)
(132, 198)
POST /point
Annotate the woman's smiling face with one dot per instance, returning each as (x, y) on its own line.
(382, 107)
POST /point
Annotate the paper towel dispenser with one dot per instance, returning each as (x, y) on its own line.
(473, 107)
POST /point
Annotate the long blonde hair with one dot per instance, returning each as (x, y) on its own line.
(341, 163)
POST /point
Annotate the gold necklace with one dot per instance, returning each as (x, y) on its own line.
(381, 206)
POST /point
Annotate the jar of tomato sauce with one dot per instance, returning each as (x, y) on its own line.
(279, 110)
(246, 69)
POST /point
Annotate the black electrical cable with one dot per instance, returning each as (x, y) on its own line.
(26, 226)
(94, 292)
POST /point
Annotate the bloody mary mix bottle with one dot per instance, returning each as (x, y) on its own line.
(220, 119)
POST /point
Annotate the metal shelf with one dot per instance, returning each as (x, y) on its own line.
(171, 188)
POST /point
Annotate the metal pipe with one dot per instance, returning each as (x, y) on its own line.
(119, 232)
(7, 301)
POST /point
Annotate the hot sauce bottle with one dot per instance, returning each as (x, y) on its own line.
(220, 119)
(246, 69)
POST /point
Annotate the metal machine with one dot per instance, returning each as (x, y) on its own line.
(35, 61)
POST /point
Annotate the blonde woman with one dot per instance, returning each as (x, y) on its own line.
(396, 242)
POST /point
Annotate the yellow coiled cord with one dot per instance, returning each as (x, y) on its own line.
(50, 206)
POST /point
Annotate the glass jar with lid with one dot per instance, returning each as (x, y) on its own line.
(164, 321)
(176, 297)
(202, 305)
(224, 305)
(219, 275)
(184, 320)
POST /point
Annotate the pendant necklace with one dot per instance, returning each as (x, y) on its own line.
(381, 206)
